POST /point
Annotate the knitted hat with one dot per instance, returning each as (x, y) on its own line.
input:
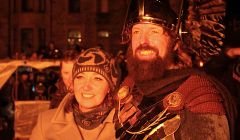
(99, 61)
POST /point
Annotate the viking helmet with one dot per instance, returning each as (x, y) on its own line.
(157, 12)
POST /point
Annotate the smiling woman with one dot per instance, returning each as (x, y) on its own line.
(89, 110)
(90, 90)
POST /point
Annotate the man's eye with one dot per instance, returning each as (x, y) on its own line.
(65, 72)
(136, 32)
(157, 31)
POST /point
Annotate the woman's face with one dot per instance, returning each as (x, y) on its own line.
(90, 89)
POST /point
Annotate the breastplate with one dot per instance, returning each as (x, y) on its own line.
(153, 123)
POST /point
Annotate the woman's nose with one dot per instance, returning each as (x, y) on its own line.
(87, 85)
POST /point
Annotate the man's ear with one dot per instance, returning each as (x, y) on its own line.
(177, 45)
(183, 56)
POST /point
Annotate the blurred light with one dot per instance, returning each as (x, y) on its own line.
(103, 34)
(74, 36)
(201, 63)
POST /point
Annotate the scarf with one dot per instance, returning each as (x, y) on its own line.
(88, 120)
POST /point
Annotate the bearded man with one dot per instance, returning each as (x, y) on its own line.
(162, 97)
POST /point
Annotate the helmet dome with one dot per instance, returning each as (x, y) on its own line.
(149, 11)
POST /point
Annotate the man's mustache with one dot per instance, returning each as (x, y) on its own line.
(147, 47)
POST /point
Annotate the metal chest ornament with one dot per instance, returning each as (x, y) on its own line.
(161, 125)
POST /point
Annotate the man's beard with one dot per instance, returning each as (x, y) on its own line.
(145, 70)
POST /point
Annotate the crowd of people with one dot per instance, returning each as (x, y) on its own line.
(151, 91)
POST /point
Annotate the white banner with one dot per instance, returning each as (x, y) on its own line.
(8, 67)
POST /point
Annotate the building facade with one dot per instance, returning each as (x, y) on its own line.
(32, 24)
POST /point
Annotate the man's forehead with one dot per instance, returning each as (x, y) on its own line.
(67, 64)
(146, 25)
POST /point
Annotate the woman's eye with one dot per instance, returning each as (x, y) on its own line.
(79, 77)
(155, 31)
(98, 78)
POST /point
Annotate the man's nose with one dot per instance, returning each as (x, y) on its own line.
(144, 38)
(70, 78)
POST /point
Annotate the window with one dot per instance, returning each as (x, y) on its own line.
(14, 38)
(42, 37)
(26, 39)
(102, 6)
(74, 6)
(74, 36)
(27, 5)
(42, 5)
(14, 6)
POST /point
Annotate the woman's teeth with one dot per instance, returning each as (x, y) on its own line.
(87, 95)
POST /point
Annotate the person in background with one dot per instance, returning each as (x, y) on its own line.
(23, 86)
(34, 56)
(226, 68)
(7, 110)
(53, 52)
(163, 97)
(120, 58)
(87, 113)
(64, 84)
(233, 52)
